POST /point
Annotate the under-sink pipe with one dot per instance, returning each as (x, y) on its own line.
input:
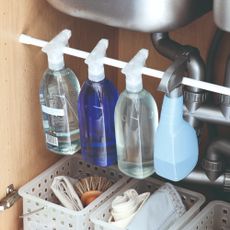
(227, 73)
(219, 150)
(225, 101)
(166, 46)
(210, 64)
(211, 113)
(171, 49)
(198, 177)
(193, 97)
(196, 111)
(213, 163)
(212, 52)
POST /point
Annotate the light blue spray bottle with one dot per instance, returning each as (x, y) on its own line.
(176, 144)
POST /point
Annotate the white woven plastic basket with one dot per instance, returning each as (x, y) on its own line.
(215, 216)
(41, 206)
(192, 201)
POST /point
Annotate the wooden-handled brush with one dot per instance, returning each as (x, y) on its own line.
(90, 188)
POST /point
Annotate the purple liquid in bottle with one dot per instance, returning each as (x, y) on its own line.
(96, 105)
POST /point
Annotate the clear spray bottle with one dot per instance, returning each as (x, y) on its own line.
(136, 120)
(59, 90)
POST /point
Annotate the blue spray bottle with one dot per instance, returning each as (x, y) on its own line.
(96, 105)
(176, 144)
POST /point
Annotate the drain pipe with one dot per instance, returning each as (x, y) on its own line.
(213, 163)
(196, 111)
(215, 114)
(193, 97)
(217, 152)
(198, 177)
(172, 50)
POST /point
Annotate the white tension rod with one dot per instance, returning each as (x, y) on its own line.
(25, 39)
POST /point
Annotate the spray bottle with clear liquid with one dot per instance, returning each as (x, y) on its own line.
(59, 90)
(136, 120)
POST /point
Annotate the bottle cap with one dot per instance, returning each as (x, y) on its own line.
(95, 61)
(54, 50)
(133, 71)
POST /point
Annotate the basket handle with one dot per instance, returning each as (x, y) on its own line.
(32, 212)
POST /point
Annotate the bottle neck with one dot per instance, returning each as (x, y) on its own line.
(56, 64)
(134, 84)
(95, 77)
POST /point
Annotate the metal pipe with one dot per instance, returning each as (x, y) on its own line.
(213, 163)
(212, 114)
(196, 69)
(166, 47)
(199, 177)
(171, 49)
(212, 52)
(218, 147)
(207, 113)
(194, 97)
(227, 73)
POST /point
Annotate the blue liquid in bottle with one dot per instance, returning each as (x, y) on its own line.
(96, 105)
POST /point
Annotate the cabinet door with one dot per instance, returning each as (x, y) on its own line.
(23, 153)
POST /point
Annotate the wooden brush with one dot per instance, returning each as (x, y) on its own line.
(90, 188)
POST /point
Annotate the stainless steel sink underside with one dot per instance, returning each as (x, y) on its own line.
(140, 15)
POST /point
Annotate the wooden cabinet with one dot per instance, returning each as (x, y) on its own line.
(23, 153)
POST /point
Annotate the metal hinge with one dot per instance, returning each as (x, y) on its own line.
(11, 197)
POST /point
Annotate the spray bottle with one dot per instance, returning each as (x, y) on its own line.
(136, 120)
(96, 106)
(176, 144)
(59, 90)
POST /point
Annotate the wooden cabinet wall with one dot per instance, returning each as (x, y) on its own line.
(23, 154)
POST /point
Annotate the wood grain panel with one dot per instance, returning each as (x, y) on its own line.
(23, 153)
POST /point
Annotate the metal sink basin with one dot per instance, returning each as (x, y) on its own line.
(140, 15)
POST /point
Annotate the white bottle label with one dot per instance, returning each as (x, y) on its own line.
(51, 140)
(52, 111)
(45, 124)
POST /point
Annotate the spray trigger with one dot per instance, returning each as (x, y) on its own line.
(55, 50)
(95, 61)
(173, 76)
(133, 71)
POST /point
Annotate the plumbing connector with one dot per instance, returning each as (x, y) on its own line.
(227, 181)
(213, 169)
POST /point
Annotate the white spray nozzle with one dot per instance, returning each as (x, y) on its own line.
(95, 61)
(55, 50)
(133, 71)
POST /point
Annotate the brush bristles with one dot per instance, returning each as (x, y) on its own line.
(92, 183)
